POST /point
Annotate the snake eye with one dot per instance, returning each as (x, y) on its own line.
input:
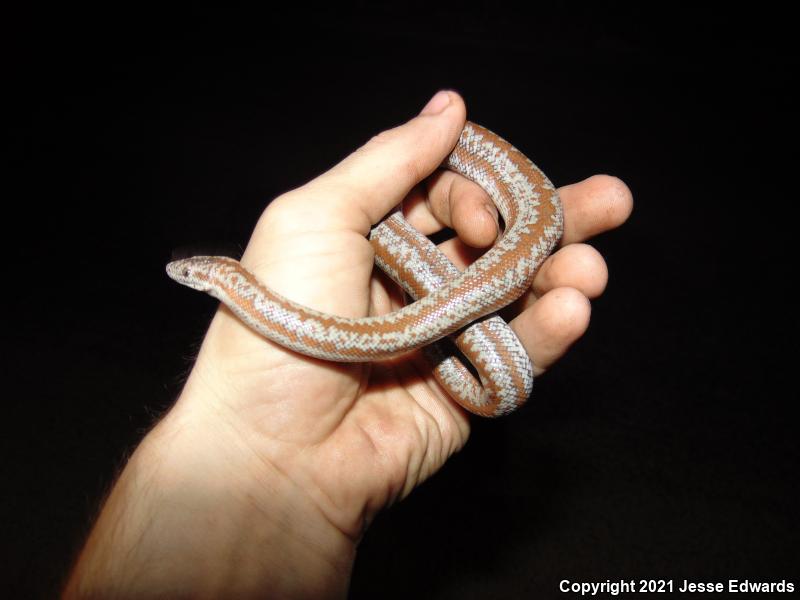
(186, 272)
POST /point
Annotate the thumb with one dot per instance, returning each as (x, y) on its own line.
(377, 176)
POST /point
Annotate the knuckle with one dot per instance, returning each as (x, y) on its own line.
(379, 140)
(280, 214)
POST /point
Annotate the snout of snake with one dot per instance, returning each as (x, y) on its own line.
(448, 302)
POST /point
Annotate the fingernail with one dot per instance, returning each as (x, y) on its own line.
(436, 104)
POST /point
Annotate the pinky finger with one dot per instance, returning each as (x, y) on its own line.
(550, 326)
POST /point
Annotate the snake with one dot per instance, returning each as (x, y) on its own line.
(453, 313)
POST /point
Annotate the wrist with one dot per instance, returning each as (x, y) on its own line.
(268, 530)
(197, 512)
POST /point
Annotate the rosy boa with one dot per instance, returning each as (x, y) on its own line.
(446, 300)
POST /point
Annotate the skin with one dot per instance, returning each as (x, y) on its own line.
(264, 475)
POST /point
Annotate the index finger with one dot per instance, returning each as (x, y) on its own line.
(592, 206)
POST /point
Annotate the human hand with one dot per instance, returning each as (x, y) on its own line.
(319, 448)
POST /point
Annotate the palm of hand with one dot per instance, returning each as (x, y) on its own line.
(363, 435)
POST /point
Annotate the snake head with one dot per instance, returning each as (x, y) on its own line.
(196, 272)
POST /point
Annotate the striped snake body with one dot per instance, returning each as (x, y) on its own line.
(447, 300)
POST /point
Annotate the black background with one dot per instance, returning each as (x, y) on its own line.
(663, 446)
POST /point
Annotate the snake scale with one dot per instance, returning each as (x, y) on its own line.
(448, 302)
